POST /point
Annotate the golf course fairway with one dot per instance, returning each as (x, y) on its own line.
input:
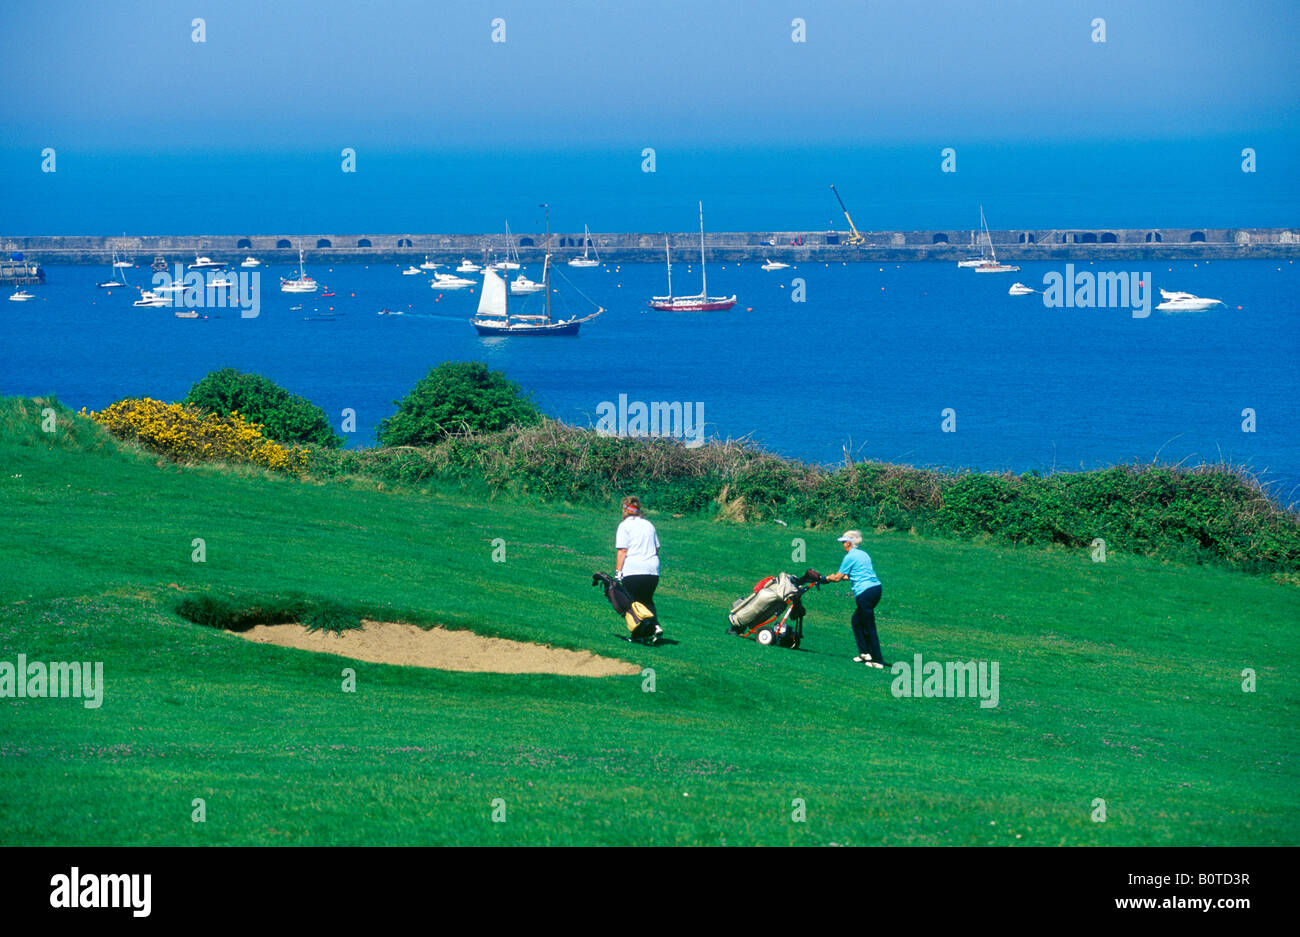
(1140, 702)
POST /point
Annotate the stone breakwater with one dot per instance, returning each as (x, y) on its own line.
(1096, 244)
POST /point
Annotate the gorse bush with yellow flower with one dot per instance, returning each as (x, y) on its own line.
(191, 434)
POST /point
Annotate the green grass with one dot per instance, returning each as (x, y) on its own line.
(1119, 680)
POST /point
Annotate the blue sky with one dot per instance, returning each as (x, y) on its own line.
(421, 75)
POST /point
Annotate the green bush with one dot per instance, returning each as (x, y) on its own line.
(284, 417)
(457, 397)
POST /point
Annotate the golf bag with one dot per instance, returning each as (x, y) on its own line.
(773, 613)
(641, 622)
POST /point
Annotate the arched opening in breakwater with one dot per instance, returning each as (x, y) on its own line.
(939, 239)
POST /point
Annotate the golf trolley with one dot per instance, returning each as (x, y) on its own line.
(773, 613)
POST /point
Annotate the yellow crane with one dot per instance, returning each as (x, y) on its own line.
(855, 237)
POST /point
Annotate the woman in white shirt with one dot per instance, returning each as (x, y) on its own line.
(636, 562)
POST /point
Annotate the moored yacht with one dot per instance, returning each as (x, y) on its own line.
(1185, 302)
(300, 284)
(206, 263)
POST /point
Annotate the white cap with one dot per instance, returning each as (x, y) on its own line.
(851, 536)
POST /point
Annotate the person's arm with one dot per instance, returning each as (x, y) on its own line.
(619, 557)
(836, 577)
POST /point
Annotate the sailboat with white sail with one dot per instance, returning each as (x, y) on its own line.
(584, 260)
(495, 317)
(701, 302)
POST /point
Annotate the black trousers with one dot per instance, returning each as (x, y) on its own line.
(642, 589)
(864, 623)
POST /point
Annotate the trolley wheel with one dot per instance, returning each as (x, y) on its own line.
(766, 636)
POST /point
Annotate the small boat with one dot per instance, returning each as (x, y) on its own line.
(251, 262)
(176, 287)
(522, 286)
(327, 293)
(297, 308)
(702, 302)
(300, 284)
(221, 283)
(191, 314)
(1185, 302)
(495, 319)
(206, 263)
(151, 299)
(468, 267)
(1019, 289)
(390, 312)
(21, 296)
(991, 265)
(774, 265)
(124, 264)
(428, 264)
(446, 281)
(159, 264)
(119, 279)
(584, 260)
(412, 272)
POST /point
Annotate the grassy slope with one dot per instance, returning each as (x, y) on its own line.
(1118, 680)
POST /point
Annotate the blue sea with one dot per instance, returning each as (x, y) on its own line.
(866, 365)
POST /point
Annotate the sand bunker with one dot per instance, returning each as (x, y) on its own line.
(391, 642)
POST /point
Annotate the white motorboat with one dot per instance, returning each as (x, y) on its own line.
(1185, 302)
(446, 281)
(174, 287)
(221, 283)
(191, 314)
(774, 265)
(1019, 289)
(521, 286)
(428, 264)
(152, 299)
(412, 272)
(251, 262)
(21, 296)
(584, 260)
(206, 263)
(468, 267)
(301, 284)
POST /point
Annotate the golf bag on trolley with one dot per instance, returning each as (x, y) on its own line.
(773, 613)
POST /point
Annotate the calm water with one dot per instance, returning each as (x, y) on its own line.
(869, 362)
(1130, 184)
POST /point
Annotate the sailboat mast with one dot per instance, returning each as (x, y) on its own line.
(546, 263)
(704, 280)
(668, 254)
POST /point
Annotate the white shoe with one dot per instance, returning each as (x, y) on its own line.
(862, 658)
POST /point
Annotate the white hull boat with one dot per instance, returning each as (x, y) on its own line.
(1185, 302)
(445, 281)
(302, 284)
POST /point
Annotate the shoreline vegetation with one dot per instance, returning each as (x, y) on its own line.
(1215, 514)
